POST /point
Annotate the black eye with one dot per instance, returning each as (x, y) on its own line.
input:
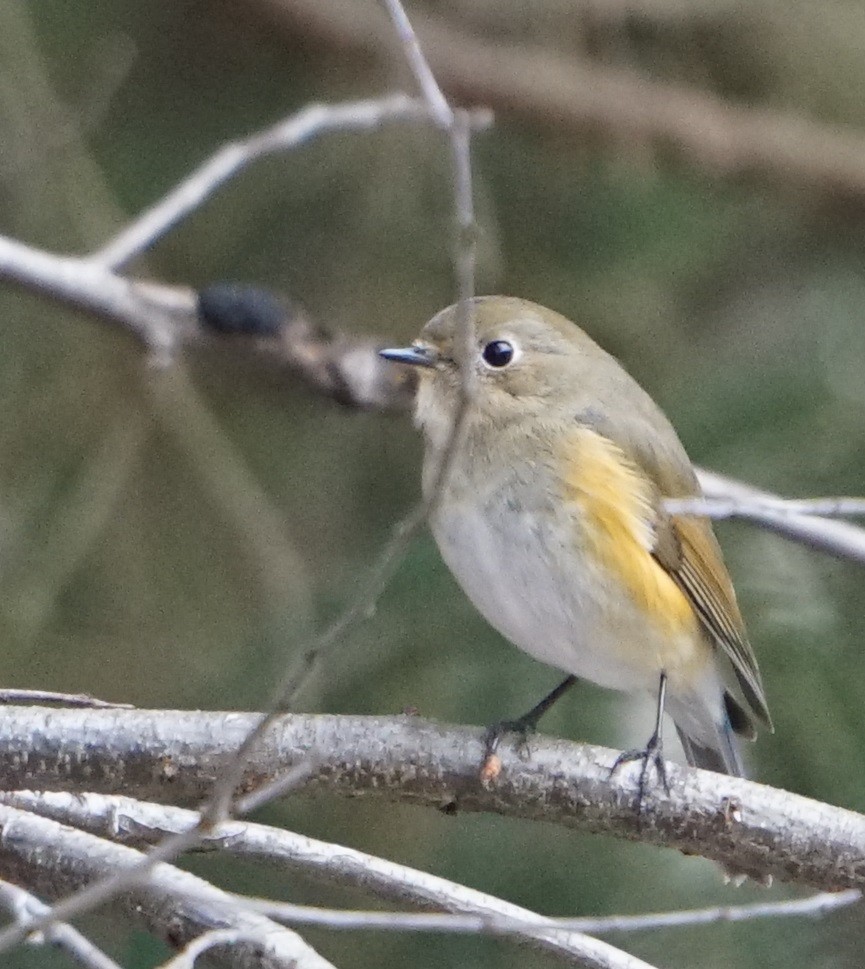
(498, 353)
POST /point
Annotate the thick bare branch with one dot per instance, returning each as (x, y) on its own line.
(160, 755)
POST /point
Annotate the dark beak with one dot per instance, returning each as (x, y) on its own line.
(417, 356)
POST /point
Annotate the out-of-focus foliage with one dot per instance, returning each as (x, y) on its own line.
(172, 538)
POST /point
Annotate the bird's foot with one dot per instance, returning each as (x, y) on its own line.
(523, 727)
(651, 756)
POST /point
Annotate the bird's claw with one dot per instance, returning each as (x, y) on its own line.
(652, 754)
(522, 727)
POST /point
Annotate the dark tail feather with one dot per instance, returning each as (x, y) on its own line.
(723, 759)
(723, 756)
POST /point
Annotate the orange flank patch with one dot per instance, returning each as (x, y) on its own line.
(616, 501)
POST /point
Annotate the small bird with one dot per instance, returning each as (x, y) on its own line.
(552, 520)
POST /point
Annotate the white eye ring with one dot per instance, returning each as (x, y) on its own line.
(501, 353)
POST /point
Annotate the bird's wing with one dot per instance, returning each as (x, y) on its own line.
(621, 491)
(687, 549)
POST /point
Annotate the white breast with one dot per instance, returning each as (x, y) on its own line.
(525, 577)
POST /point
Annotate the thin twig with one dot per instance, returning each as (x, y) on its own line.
(465, 255)
(417, 61)
(281, 785)
(48, 697)
(814, 906)
(363, 605)
(291, 132)
(756, 507)
(837, 538)
(62, 936)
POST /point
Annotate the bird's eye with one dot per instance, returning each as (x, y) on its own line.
(498, 353)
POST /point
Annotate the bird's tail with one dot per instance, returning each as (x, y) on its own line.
(717, 749)
(723, 757)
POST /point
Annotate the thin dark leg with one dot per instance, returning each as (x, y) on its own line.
(652, 754)
(528, 722)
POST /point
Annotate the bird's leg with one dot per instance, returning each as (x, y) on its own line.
(527, 723)
(651, 754)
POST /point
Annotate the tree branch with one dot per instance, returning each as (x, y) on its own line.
(287, 134)
(142, 824)
(837, 538)
(160, 317)
(177, 756)
(550, 87)
(814, 906)
(52, 859)
(26, 907)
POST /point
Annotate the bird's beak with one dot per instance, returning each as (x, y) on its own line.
(417, 356)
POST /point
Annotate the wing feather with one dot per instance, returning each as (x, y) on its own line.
(698, 569)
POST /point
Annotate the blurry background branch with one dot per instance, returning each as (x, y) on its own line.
(177, 756)
(226, 163)
(585, 97)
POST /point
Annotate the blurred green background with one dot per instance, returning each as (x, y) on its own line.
(172, 538)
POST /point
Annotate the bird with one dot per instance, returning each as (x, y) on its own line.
(550, 514)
